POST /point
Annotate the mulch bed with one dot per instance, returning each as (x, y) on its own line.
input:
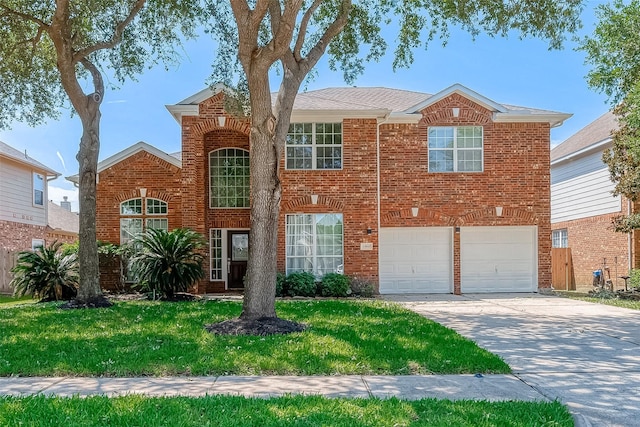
(260, 327)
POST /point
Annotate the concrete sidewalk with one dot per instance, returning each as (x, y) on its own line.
(453, 387)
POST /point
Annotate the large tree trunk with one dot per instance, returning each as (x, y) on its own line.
(89, 292)
(260, 289)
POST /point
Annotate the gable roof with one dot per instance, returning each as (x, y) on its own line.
(11, 153)
(379, 102)
(130, 151)
(60, 219)
(593, 136)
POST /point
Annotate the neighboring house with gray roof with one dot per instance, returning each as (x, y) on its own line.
(62, 224)
(583, 206)
(415, 192)
(23, 199)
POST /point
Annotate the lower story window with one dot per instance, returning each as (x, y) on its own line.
(130, 228)
(560, 238)
(215, 237)
(314, 243)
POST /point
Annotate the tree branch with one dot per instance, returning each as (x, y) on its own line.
(332, 31)
(22, 15)
(98, 83)
(303, 28)
(117, 34)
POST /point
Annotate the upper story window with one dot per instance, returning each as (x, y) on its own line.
(229, 178)
(560, 238)
(38, 189)
(455, 149)
(314, 146)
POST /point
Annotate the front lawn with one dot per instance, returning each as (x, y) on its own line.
(277, 412)
(616, 302)
(7, 300)
(157, 338)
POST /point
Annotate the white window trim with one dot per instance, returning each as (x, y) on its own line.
(142, 207)
(36, 243)
(225, 255)
(455, 149)
(146, 206)
(563, 238)
(210, 195)
(34, 189)
(315, 254)
(314, 146)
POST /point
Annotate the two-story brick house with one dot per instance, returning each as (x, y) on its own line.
(415, 192)
(23, 199)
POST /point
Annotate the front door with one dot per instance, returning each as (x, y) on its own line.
(238, 254)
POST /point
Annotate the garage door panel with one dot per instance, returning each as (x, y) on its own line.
(416, 260)
(498, 259)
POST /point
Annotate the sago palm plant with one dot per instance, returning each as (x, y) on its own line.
(167, 262)
(46, 273)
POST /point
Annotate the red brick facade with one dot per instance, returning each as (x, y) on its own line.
(16, 236)
(593, 242)
(515, 177)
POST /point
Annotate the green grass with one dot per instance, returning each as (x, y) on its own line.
(7, 300)
(281, 412)
(157, 338)
(634, 305)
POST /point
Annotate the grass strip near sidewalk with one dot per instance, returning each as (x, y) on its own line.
(616, 302)
(285, 411)
(163, 339)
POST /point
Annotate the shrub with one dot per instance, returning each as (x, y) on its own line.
(334, 285)
(46, 273)
(634, 278)
(300, 284)
(280, 288)
(167, 262)
(361, 287)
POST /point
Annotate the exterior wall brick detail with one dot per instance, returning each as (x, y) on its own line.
(592, 240)
(16, 236)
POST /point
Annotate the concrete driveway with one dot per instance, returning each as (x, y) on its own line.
(585, 355)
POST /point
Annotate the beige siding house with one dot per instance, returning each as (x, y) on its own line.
(23, 199)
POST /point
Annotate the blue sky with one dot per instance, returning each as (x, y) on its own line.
(510, 71)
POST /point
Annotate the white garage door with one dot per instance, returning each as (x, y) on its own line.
(416, 260)
(498, 259)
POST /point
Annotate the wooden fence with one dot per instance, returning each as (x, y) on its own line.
(562, 275)
(7, 261)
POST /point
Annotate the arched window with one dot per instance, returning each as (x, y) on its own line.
(229, 178)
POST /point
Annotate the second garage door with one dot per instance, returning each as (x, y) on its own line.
(498, 259)
(416, 260)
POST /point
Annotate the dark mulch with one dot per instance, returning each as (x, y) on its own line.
(97, 302)
(260, 327)
(180, 296)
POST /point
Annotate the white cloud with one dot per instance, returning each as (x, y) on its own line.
(57, 195)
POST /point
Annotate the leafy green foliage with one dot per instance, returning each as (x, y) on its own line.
(301, 284)
(162, 339)
(167, 262)
(280, 284)
(46, 273)
(334, 285)
(634, 278)
(614, 54)
(29, 57)
(286, 411)
(361, 287)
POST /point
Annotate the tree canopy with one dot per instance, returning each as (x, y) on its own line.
(53, 53)
(613, 52)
